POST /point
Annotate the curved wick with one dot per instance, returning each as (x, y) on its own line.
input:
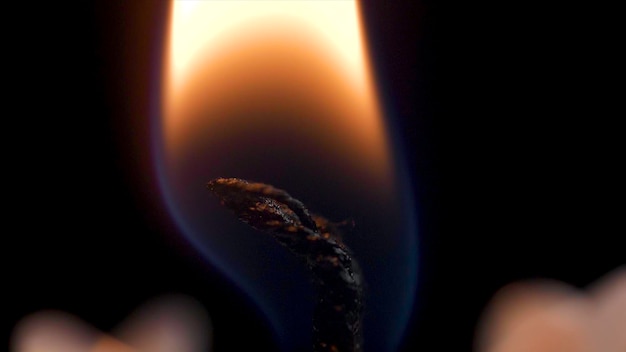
(337, 314)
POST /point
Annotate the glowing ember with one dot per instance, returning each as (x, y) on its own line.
(281, 92)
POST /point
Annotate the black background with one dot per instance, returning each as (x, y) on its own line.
(505, 113)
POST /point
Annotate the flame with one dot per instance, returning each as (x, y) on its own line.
(337, 21)
(266, 53)
(282, 92)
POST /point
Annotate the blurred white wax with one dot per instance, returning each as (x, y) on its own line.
(550, 316)
(166, 324)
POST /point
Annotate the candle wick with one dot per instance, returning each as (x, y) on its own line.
(337, 276)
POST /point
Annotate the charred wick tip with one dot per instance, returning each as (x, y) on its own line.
(337, 315)
(235, 192)
(220, 185)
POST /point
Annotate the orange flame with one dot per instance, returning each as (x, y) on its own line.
(282, 92)
(301, 64)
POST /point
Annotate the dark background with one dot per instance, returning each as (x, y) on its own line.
(505, 113)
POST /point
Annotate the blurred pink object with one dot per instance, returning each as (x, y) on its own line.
(550, 316)
(173, 323)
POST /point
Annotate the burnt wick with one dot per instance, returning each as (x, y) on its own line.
(337, 277)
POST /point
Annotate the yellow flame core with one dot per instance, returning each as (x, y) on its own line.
(309, 54)
(196, 25)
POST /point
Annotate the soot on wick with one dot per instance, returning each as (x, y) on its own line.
(337, 277)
